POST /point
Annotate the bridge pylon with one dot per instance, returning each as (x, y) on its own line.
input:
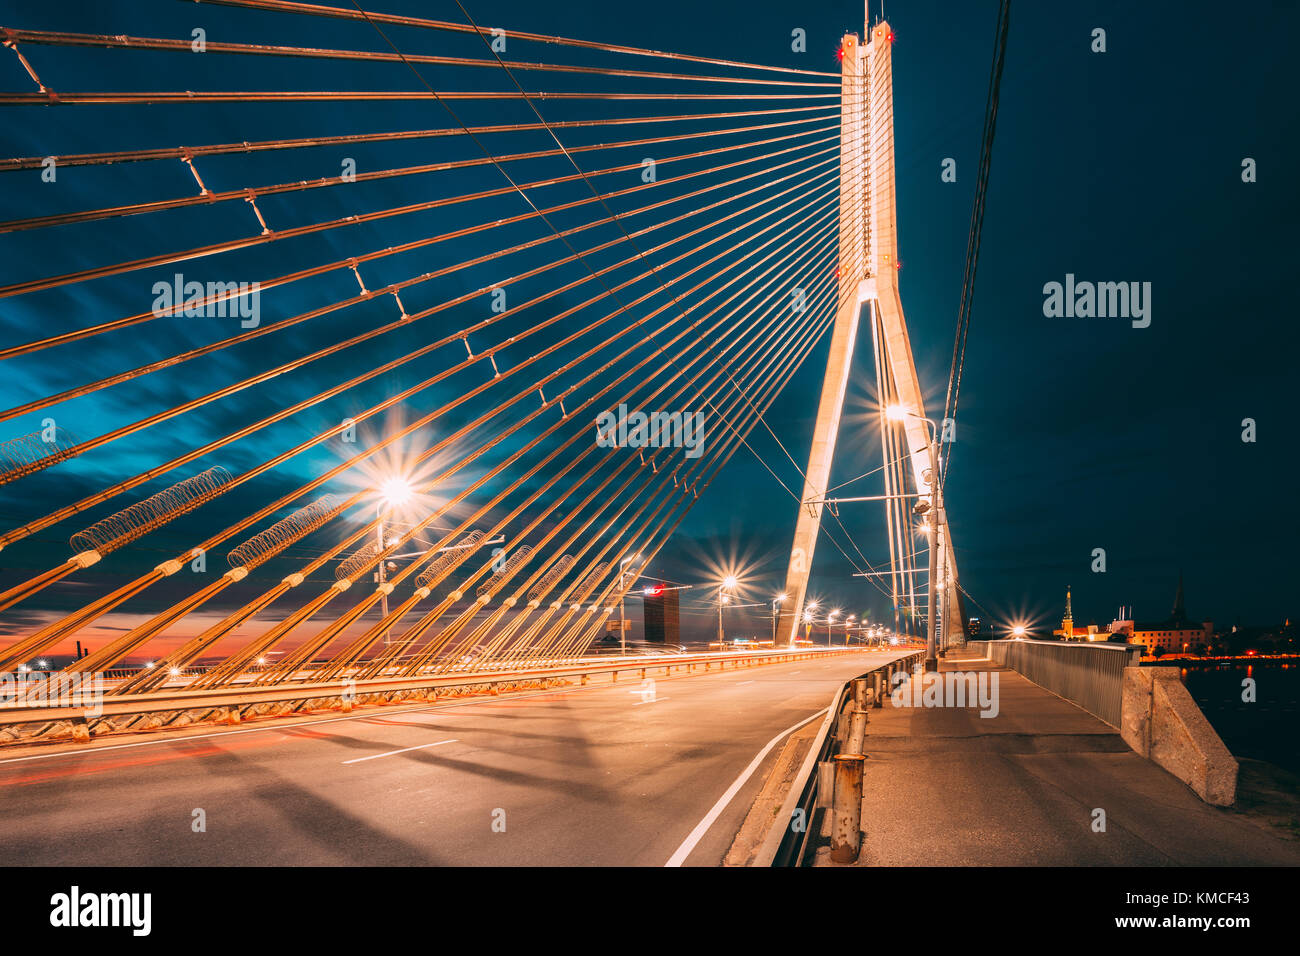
(868, 283)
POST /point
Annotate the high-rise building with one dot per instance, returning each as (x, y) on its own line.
(662, 618)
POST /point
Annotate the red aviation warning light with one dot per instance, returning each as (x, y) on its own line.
(654, 590)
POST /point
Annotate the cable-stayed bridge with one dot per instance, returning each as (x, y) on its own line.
(664, 235)
(363, 358)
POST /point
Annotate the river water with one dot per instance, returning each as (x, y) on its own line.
(1267, 729)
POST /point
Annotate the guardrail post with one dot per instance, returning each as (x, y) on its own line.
(846, 812)
(878, 682)
(860, 693)
(857, 738)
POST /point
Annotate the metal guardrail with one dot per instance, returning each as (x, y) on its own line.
(1088, 674)
(785, 845)
(240, 698)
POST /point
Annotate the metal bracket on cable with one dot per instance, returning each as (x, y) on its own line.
(496, 372)
(188, 158)
(13, 45)
(401, 306)
(469, 351)
(251, 199)
(352, 264)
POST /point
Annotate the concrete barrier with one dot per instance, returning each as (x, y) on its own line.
(1162, 722)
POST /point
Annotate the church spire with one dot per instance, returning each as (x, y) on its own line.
(1067, 622)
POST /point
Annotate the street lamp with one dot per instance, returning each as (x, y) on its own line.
(899, 413)
(622, 596)
(808, 620)
(848, 622)
(1018, 632)
(830, 619)
(728, 584)
(394, 493)
(776, 602)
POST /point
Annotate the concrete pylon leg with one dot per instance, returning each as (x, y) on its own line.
(825, 433)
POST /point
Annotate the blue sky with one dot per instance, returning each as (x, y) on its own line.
(1073, 434)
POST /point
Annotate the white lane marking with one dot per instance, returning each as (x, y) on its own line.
(744, 682)
(652, 700)
(701, 828)
(402, 751)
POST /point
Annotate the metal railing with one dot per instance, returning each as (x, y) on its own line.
(218, 703)
(1090, 675)
(787, 845)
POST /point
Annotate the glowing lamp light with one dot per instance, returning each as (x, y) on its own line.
(895, 412)
(1018, 630)
(396, 492)
(654, 591)
(729, 582)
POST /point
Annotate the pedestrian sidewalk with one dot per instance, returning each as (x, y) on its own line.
(1033, 785)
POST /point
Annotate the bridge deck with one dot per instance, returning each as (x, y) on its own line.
(595, 775)
(947, 787)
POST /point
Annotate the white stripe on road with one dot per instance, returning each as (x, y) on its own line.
(701, 828)
(402, 751)
(652, 700)
(744, 682)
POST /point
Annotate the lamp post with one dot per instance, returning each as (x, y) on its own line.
(622, 597)
(848, 622)
(395, 493)
(830, 619)
(776, 603)
(728, 584)
(898, 413)
(808, 617)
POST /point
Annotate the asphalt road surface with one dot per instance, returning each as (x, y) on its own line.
(608, 774)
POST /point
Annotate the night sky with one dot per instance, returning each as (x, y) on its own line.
(1072, 433)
